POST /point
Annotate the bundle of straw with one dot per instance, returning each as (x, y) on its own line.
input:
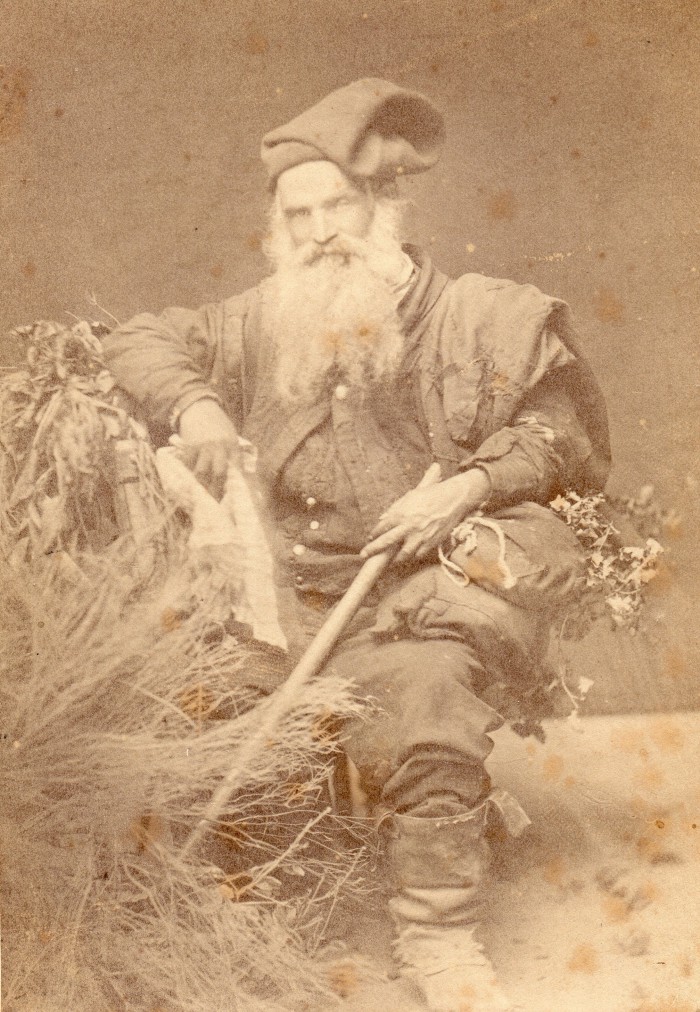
(119, 717)
(112, 745)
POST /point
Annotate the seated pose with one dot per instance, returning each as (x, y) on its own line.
(352, 368)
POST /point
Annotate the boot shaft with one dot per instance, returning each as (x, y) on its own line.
(435, 868)
(443, 853)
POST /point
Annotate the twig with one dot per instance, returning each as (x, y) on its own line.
(335, 892)
(576, 703)
(92, 299)
(177, 710)
(269, 868)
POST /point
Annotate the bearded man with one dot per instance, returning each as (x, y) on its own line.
(353, 368)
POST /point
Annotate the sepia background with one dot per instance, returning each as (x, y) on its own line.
(129, 174)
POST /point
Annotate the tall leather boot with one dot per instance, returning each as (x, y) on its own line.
(436, 867)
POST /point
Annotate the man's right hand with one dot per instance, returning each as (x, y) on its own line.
(209, 444)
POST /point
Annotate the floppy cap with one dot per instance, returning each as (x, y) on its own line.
(371, 129)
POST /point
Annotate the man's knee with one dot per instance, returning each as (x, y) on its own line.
(425, 731)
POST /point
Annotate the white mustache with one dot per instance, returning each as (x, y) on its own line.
(344, 248)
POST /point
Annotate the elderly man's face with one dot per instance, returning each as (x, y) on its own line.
(335, 248)
(318, 203)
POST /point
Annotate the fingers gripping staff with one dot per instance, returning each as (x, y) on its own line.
(418, 522)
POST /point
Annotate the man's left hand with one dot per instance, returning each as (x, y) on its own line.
(423, 518)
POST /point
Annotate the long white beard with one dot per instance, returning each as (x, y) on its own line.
(334, 317)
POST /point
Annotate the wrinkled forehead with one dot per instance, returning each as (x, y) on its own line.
(316, 183)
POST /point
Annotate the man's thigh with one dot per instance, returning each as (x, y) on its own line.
(420, 701)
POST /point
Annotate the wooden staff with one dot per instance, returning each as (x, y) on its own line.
(309, 665)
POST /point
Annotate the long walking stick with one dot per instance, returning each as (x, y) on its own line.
(307, 667)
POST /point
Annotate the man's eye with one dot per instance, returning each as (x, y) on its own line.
(298, 212)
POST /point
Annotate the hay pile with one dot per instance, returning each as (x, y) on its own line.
(111, 748)
(119, 717)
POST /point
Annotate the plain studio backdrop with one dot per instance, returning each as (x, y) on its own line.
(129, 173)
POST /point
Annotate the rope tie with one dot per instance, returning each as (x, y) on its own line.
(465, 535)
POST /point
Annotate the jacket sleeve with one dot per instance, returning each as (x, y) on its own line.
(517, 395)
(543, 452)
(168, 362)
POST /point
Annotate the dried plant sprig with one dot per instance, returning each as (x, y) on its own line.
(616, 574)
(61, 418)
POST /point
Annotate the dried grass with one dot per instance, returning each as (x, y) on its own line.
(114, 738)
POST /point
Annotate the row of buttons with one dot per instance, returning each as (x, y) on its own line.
(300, 549)
(341, 392)
(313, 525)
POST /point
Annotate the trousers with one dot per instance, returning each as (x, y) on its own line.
(426, 649)
(419, 659)
(426, 733)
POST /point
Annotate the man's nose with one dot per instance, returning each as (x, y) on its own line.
(323, 228)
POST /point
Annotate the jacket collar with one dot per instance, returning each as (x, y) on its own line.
(426, 288)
